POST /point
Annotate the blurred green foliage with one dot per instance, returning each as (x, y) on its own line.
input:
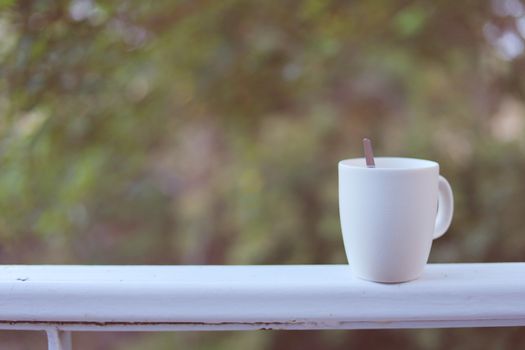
(197, 132)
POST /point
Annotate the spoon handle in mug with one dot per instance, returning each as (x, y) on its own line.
(369, 153)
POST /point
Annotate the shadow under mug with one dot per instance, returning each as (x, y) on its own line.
(389, 215)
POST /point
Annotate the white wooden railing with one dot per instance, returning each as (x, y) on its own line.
(62, 299)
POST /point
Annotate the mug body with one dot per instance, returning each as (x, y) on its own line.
(388, 215)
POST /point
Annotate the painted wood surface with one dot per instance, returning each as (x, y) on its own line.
(143, 298)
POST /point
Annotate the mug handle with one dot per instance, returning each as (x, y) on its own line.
(445, 208)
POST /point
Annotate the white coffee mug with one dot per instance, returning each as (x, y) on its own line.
(389, 215)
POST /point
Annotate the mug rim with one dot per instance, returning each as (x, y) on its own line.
(406, 164)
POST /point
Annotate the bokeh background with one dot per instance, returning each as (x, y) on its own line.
(208, 132)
